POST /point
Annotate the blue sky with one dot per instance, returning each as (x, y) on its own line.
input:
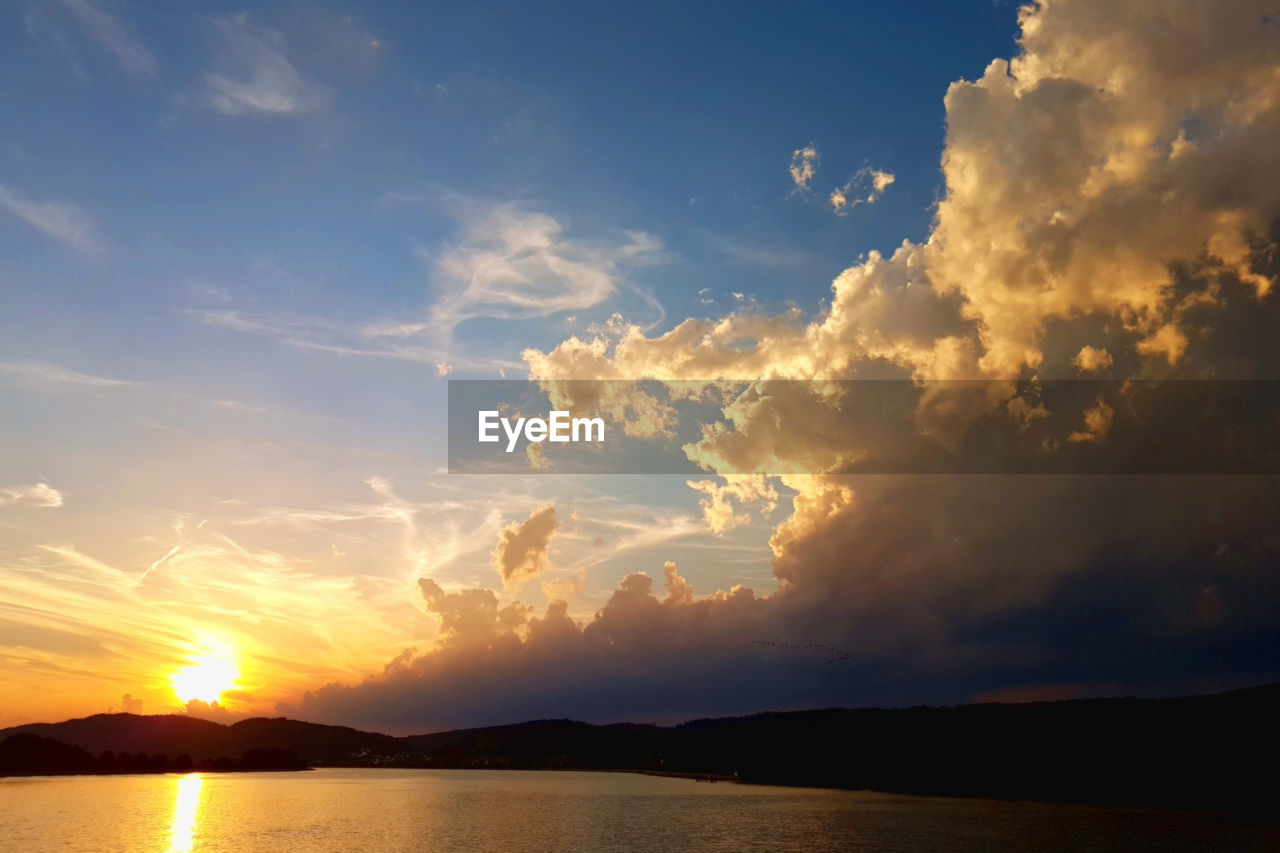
(198, 203)
(196, 198)
(676, 121)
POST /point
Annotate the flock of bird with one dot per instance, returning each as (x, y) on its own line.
(837, 655)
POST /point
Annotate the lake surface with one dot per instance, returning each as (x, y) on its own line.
(465, 810)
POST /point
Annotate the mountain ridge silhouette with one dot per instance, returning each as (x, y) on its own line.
(1184, 752)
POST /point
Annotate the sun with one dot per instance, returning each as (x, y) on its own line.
(205, 679)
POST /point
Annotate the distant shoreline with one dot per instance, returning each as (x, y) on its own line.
(47, 774)
(1181, 753)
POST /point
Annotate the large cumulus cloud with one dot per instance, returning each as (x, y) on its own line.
(1110, 207)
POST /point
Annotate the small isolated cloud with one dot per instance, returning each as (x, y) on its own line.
(130, 704)
(804, 165)
(111, 35)
(57, 220)
(1097, 423)
(865, 187)
(521, 551)
(38, 495)
(259, 78)
(1091, 359)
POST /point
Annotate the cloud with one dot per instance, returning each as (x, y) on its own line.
(1091, 359)
(507, 262)
(130, 704)
(1072, 183)
(37, 495)
(1110, 187)
(56, 220)
(263, 578)
(1121, 209)
(679, 590)
(470, 617)
(112, 36)
(213, 712)
(537, 458)
(259, 78)
(753, 254)
(43, 373)
(865, 187)
(1051, 237)
(1097, 423)
(718, 503)
(565, 588)
(514, 263)
(804, 165)
(521, 551)
(354, 340)
(499, 663)
(929, 589)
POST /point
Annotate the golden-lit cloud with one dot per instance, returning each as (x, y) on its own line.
(1097, 423)
(1075, 174)
(1107, 199)
(1092, 359)
(804, 165)
(38, 495)
(865, 187)
(522, 549)
(1109, 196)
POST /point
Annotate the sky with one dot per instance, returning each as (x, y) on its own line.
(244, 250)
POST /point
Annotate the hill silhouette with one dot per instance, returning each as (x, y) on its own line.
(1194, 751)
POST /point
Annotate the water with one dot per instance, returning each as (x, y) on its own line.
(352, 810)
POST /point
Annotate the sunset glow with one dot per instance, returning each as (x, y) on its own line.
(205, 679)
(248, 257)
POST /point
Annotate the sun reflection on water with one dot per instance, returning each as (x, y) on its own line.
(182, 828)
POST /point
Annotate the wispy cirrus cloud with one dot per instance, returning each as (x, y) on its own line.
(258, 77)
(754, 254)
(111, 35)
(43, 373)
(378, 340)
(513, 263)
(506, 263)
(59, 221)
(37, 494)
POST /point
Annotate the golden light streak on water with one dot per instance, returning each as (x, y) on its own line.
(182, 827)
